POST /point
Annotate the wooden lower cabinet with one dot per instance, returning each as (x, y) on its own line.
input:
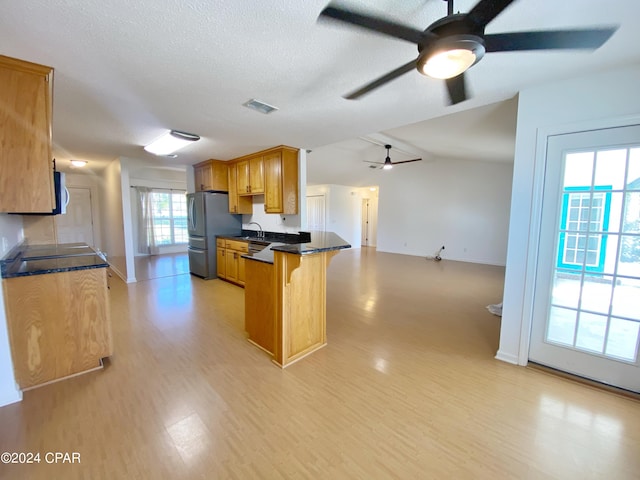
(259, 313)
(231, 265)
(285, 305)
(221, 262)
(59, 324)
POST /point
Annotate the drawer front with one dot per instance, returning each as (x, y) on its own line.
(220, 242)
(198, 242)
(238, 246)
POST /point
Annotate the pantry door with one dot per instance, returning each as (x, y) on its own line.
(586, 312)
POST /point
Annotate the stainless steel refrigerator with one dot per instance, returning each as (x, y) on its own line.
(208, 216)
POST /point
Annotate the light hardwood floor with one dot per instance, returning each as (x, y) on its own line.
(158, 266)
(407, 388)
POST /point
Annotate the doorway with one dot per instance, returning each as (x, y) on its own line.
(369, 222)
(76, 226)
(586, 310)
(316, 206)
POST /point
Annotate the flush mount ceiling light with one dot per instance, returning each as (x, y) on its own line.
(171, 142)
(79, 163)
(259, 106)
(451, 56)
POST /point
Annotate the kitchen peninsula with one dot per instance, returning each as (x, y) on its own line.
(285, 296)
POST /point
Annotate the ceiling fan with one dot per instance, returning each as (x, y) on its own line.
(453, 44)
(388, 164)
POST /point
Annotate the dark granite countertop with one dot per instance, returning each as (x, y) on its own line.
(268, 238)
(320, 242)
(25, 260)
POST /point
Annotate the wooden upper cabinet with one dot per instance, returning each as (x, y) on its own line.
(26, 167)
(237, 204)
(243, 178)
(211, 175)
(281, 181)
(251, 176)
(256, 175)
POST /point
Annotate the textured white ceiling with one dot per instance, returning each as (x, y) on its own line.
(125, 71)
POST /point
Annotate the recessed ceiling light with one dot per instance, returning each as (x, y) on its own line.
(260, 106)
(79, 163)
(170, 142)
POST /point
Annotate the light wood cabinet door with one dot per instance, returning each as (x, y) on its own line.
(250, 176)
(241, 269)
(211, 176)
(203, 175)
(231, 265)
(281, 181)
(259, 304)
(237, 204)
(220, 179)
(243, 178)
(26, 182)
(273, 183)
(221, 262)
(256, 175)
(59, 324)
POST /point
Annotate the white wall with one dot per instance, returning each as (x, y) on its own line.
(463, 205)
(10, 235)
(343, 211)
(112, 218)
(604, 99)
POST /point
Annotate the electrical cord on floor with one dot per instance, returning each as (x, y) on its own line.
(437, 257)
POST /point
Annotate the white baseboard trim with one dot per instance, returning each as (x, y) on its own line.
(507, 357)
(122, 276)
(8, 398)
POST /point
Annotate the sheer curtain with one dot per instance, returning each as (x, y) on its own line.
(146, 238)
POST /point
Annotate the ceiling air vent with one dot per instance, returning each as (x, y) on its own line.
(260, 106)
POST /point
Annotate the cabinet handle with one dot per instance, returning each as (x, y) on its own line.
(235, 255)
(223, 253)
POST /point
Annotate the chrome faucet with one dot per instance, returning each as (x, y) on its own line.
(260, 232)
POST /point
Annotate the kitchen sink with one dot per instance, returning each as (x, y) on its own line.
(255, 247)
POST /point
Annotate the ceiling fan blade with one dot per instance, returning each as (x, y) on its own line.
(375, 24)
(407, 161)
(485, 11)
(548, 40)
(377, 163)
(382, 80)
(456, 88)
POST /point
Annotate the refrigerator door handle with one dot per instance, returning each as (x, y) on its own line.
(192, 217)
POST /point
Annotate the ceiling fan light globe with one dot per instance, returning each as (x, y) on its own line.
(387, 166)
(449, 64)
(451, 56)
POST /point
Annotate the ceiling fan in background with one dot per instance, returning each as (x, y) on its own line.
(453, 44)
(388, 164)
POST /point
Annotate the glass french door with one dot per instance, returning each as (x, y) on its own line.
(586, 311)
